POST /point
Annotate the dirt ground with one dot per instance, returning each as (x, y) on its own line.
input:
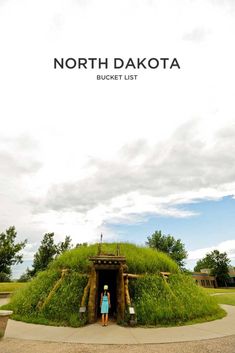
(220, 345)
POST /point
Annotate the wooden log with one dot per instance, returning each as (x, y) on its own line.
(85, 293)
(130, 275)
(120, 295)
(165, 274)
(127, 294)
(41, 305)
(92, 297)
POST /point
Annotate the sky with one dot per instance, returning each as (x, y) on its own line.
(80, 156)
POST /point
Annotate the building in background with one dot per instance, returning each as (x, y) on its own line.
(231, 281)
(204, 279)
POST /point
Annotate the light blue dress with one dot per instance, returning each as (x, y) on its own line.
(105, 304)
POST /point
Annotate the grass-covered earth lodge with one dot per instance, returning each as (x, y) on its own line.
(138, 277)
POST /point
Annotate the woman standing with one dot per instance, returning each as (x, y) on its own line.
(105, 305)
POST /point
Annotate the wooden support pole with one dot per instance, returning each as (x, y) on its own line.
(130, 275)
(41, 305)
(127, 294)
(120, 295)
(85, 294)
(92, 297)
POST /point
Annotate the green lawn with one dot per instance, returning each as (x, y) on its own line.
(10, 286)
(219, 290)
(228, 299)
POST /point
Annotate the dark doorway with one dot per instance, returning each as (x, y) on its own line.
(108, 277)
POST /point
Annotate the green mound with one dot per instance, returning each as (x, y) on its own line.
(139, 259)
(174, 301)
(53, 298)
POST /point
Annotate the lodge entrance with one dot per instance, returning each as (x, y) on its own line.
(110, 278)
(107, 269)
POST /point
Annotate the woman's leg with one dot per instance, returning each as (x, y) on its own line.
(106, 319)
(103, 320)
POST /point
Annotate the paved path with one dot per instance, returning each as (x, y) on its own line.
(114, 334)
(4, 301)
(215, 294)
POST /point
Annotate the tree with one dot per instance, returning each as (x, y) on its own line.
(168, 244)
(9, 252)
(25, 277)
(45, 254)
(64, 245)
(47, 251)
(80, 244)
(218, 263)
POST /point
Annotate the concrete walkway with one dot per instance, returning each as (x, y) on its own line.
(114, 334)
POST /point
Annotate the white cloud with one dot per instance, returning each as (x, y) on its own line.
(151, 179)
(227, 246)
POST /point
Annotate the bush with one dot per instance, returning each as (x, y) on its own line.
(26, 301)
(31, 304)
(64, 304)
(5, 277)
(176, 300)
